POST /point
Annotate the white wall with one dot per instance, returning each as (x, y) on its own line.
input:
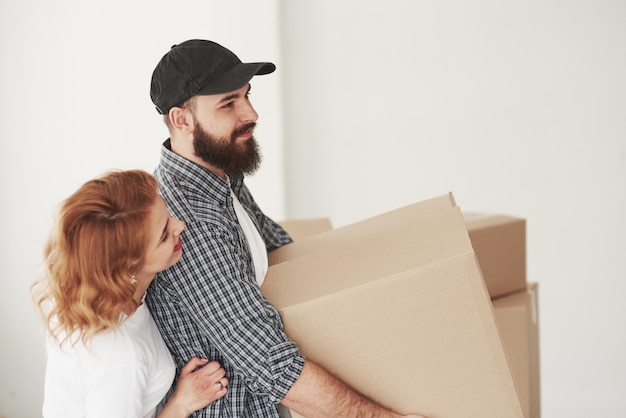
(74, 83)
(516, 108)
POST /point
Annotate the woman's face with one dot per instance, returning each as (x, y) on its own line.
(164, 245)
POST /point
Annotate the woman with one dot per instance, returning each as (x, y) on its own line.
(106, 357)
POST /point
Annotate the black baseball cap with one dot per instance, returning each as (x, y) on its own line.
(199, 67)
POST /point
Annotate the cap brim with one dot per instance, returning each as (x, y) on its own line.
(236, 77)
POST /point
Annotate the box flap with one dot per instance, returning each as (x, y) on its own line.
(377, 224)
(366, 255)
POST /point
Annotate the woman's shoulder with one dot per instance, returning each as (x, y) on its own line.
(131, 343)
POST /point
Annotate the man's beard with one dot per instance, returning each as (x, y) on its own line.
(225, 153)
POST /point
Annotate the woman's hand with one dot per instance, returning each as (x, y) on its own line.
(200, 383)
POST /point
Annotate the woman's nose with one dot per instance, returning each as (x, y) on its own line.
(179, 226)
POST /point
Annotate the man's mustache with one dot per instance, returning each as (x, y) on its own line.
(242, 130)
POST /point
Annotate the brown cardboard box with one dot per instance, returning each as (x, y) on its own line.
(303, 228)
(518, 322)
(395, 305)
(500, 245)
(346, 234)
(499, 242)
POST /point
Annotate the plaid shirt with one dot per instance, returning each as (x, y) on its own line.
(209, 304)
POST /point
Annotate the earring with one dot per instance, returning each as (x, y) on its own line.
(133, 279)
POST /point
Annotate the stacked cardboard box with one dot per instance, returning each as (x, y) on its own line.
(518, 322)
(396, 306)
(499, 243)
(304, 228)
(500, 246)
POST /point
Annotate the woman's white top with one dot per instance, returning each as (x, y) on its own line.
(120, 373)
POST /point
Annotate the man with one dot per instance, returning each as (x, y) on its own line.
(210, 304)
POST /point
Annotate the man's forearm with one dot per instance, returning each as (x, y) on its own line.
(318, 393)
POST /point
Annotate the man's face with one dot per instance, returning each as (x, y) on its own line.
(223, 132)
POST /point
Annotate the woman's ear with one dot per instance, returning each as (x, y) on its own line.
(181, 119)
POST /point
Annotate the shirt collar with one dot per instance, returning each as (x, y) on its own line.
(197, 176)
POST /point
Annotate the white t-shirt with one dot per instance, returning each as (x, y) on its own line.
(120, 373)
(255, 242)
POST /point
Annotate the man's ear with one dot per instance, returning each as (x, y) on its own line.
(181, 119)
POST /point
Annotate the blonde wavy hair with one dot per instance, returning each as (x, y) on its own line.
(98, 242)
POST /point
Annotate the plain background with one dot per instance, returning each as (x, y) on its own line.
(517, 108)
